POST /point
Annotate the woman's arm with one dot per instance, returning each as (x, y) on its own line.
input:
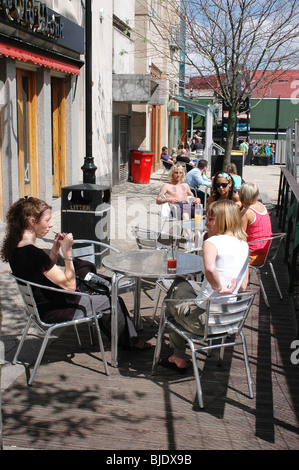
(244, 283)
(246, 217)
(56, 245)
(65, 279)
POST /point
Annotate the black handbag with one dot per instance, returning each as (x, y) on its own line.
(96, 285)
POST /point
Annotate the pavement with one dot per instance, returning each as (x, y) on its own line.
(131, 204)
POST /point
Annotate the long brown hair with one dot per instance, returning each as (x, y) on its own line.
(17, 219)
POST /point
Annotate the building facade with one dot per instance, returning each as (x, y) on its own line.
(41, 50)
(43, 93)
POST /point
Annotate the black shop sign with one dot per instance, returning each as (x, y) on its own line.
(36, 18)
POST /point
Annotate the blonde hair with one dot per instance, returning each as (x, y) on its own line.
(249, 193)
(227, 214)
(174, 167)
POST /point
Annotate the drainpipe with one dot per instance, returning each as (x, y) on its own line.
(88, 167)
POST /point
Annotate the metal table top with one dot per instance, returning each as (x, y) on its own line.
(151, 263)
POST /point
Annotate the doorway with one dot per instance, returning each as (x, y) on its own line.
(58, 135)
(27, 133)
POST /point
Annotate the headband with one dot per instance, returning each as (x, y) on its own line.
(224, 175)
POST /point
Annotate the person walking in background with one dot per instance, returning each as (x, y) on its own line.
(244, 148)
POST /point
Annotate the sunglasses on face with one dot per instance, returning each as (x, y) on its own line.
(221, 185)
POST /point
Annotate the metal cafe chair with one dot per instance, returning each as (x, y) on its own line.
(274, 245)
(224, 323)
(166, 167)
(52, 330)
(146, 239)
(85, 249)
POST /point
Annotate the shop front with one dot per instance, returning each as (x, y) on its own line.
(39, 72)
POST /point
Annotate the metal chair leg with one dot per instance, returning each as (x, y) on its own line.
(262, 287)
(157, 299)
(40, 355)
(251, 394)
(197, 378)
(275, 280)
(23, 337)
(158, 345)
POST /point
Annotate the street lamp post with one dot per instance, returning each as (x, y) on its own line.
(88, 167)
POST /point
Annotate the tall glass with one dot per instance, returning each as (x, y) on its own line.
(198, 217)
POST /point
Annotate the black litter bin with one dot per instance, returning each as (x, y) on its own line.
(217, 162)
(85, 212)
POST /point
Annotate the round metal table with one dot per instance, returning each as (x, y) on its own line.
(148, 264)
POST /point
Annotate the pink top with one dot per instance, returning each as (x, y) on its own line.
(260, 228)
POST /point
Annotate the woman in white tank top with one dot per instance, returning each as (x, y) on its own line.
(225, 260)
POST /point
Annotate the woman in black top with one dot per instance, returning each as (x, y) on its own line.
(29, 219)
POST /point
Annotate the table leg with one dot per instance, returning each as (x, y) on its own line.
(114, 323)
(137, 317)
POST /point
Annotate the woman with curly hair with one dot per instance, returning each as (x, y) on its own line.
(223, 188)
(29, 219)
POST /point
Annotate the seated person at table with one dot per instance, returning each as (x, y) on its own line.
(197, 177)
(184, 158)
(232, 170)
(182, 149)
(176, 192)
(223, 188)
(256, 222)
(29, 219)
(165, 157)
(225, 261)
(174, 153)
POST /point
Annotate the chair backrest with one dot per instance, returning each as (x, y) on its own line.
(274, 245)
(227, 314)
(167, 165)
(25, 290)
(86, 253)
(146, 239)
(85, 249)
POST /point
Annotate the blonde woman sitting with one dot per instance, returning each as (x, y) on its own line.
(225, 260)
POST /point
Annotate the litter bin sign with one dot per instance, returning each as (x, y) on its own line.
(85, 212)
(141, 166)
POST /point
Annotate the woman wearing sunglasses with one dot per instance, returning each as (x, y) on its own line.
(225, 260)
(223, 188)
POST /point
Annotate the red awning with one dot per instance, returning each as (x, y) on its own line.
(21, 54)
